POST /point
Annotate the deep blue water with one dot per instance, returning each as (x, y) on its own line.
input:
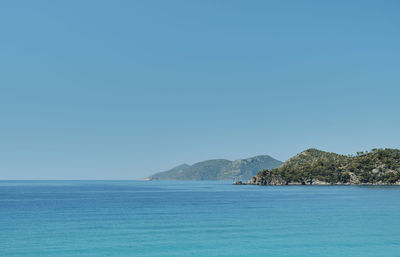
(139, 218)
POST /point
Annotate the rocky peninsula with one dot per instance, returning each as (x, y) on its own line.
(315, 167)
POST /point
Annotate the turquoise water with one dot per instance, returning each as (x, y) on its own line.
(138, 218)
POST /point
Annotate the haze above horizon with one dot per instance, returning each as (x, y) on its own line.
(124, 89)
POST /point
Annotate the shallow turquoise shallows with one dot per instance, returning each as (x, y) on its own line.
(139, 218)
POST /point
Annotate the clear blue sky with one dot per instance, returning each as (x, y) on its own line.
(122, 89)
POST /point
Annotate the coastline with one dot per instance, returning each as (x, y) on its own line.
(315, 184)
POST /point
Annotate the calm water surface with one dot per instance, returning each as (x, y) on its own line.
(138, 218)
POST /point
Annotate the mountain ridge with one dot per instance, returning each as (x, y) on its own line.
(218, 169)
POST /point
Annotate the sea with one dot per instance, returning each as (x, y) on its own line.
(196, 218)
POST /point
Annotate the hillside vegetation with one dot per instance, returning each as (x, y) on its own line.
(379, 166)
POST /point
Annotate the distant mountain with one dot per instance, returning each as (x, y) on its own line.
(379, 166)
(219, 169)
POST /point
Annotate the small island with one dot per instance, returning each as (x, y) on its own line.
(315, 167)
